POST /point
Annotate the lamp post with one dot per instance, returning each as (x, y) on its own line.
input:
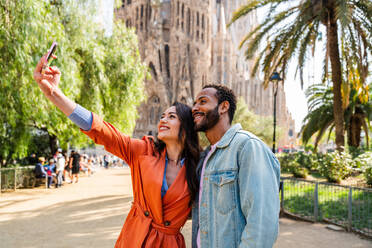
(275, 78)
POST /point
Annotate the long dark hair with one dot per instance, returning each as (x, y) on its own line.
(191, 148)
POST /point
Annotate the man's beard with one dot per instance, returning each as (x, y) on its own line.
(210, 120)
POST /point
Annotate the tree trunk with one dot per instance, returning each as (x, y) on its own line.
(338, 112)
(53, 143)
(355, 128)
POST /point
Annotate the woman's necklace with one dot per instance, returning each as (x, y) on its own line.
(176, 162)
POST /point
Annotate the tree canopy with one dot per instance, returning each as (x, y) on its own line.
(102, 73)
(290, 30)
(319, 120)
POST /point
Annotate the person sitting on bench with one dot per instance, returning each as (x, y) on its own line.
(40, 171)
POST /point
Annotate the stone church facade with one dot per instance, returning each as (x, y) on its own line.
(186, 45)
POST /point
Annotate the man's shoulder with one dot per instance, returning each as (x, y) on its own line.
(243, 137)
(246, 135)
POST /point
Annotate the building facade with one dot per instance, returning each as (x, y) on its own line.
(186, 45)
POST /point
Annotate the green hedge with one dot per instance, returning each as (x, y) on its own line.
(334, 166)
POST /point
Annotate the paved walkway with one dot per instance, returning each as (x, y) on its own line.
(92, 212)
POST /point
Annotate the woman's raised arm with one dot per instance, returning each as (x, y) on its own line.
(99, 131)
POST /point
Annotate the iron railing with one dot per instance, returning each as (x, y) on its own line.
(17, 177)
(346, 206)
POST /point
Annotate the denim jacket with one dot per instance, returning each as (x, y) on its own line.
(240, 196)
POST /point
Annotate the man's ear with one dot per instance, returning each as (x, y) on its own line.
(224, 107)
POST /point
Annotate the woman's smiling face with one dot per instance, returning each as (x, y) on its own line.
(169, 125)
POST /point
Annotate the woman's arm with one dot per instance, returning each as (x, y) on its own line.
(100, 132)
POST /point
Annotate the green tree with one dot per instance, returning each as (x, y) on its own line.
(102, 73)
(292, 28)
(260, 126)
(320, 119)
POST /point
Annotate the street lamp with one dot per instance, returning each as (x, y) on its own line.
(275, 78)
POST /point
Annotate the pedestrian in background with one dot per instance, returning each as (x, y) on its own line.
(60, 167)
(50, 170)
(74, 166)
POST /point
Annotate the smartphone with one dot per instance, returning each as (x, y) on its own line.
(49, 56)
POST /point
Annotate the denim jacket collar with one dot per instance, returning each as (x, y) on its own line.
(228, 136)
(223, 142)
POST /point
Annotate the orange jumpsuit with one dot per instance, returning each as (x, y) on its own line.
(152, 221)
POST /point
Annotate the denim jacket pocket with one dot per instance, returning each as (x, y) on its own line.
(223, 190)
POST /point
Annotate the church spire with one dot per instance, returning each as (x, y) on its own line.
(221, 21)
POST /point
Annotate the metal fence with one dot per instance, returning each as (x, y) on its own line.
(17, 177)
(345, 206)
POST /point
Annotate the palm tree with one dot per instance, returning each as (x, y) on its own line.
(292, 27)
(320, 117)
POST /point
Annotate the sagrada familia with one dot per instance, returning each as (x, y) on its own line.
(187, 45)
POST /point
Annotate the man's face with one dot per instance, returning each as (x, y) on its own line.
(205, 110)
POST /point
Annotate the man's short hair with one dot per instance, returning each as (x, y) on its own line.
(225, 94)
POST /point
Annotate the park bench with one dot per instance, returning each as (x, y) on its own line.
(41, 180)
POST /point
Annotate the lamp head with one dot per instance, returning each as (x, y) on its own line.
(275, 77)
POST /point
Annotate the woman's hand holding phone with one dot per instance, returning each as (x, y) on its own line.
(49, 79)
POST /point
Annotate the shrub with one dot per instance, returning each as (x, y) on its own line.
(364, 164)
(298, 171)
(363, 161)
(356, 151)
(335, 166)
(293, 163)
(368, 175)
(304, 160)
(285, 161)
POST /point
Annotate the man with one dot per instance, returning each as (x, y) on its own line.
(238, 201)
(74, 166)
(39, 168)
(40, 172)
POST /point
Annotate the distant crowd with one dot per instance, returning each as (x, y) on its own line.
(61, 168)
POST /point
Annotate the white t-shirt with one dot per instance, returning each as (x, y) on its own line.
(60, 166)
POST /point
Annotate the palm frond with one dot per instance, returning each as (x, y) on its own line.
(343, 12)
(315, 121)
(363, 10)
(303, 49)
(365, 128)
(266, 26)
(330, 132)
(321, 133)
(248, 8)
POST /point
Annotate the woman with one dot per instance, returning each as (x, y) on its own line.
(163, 172)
